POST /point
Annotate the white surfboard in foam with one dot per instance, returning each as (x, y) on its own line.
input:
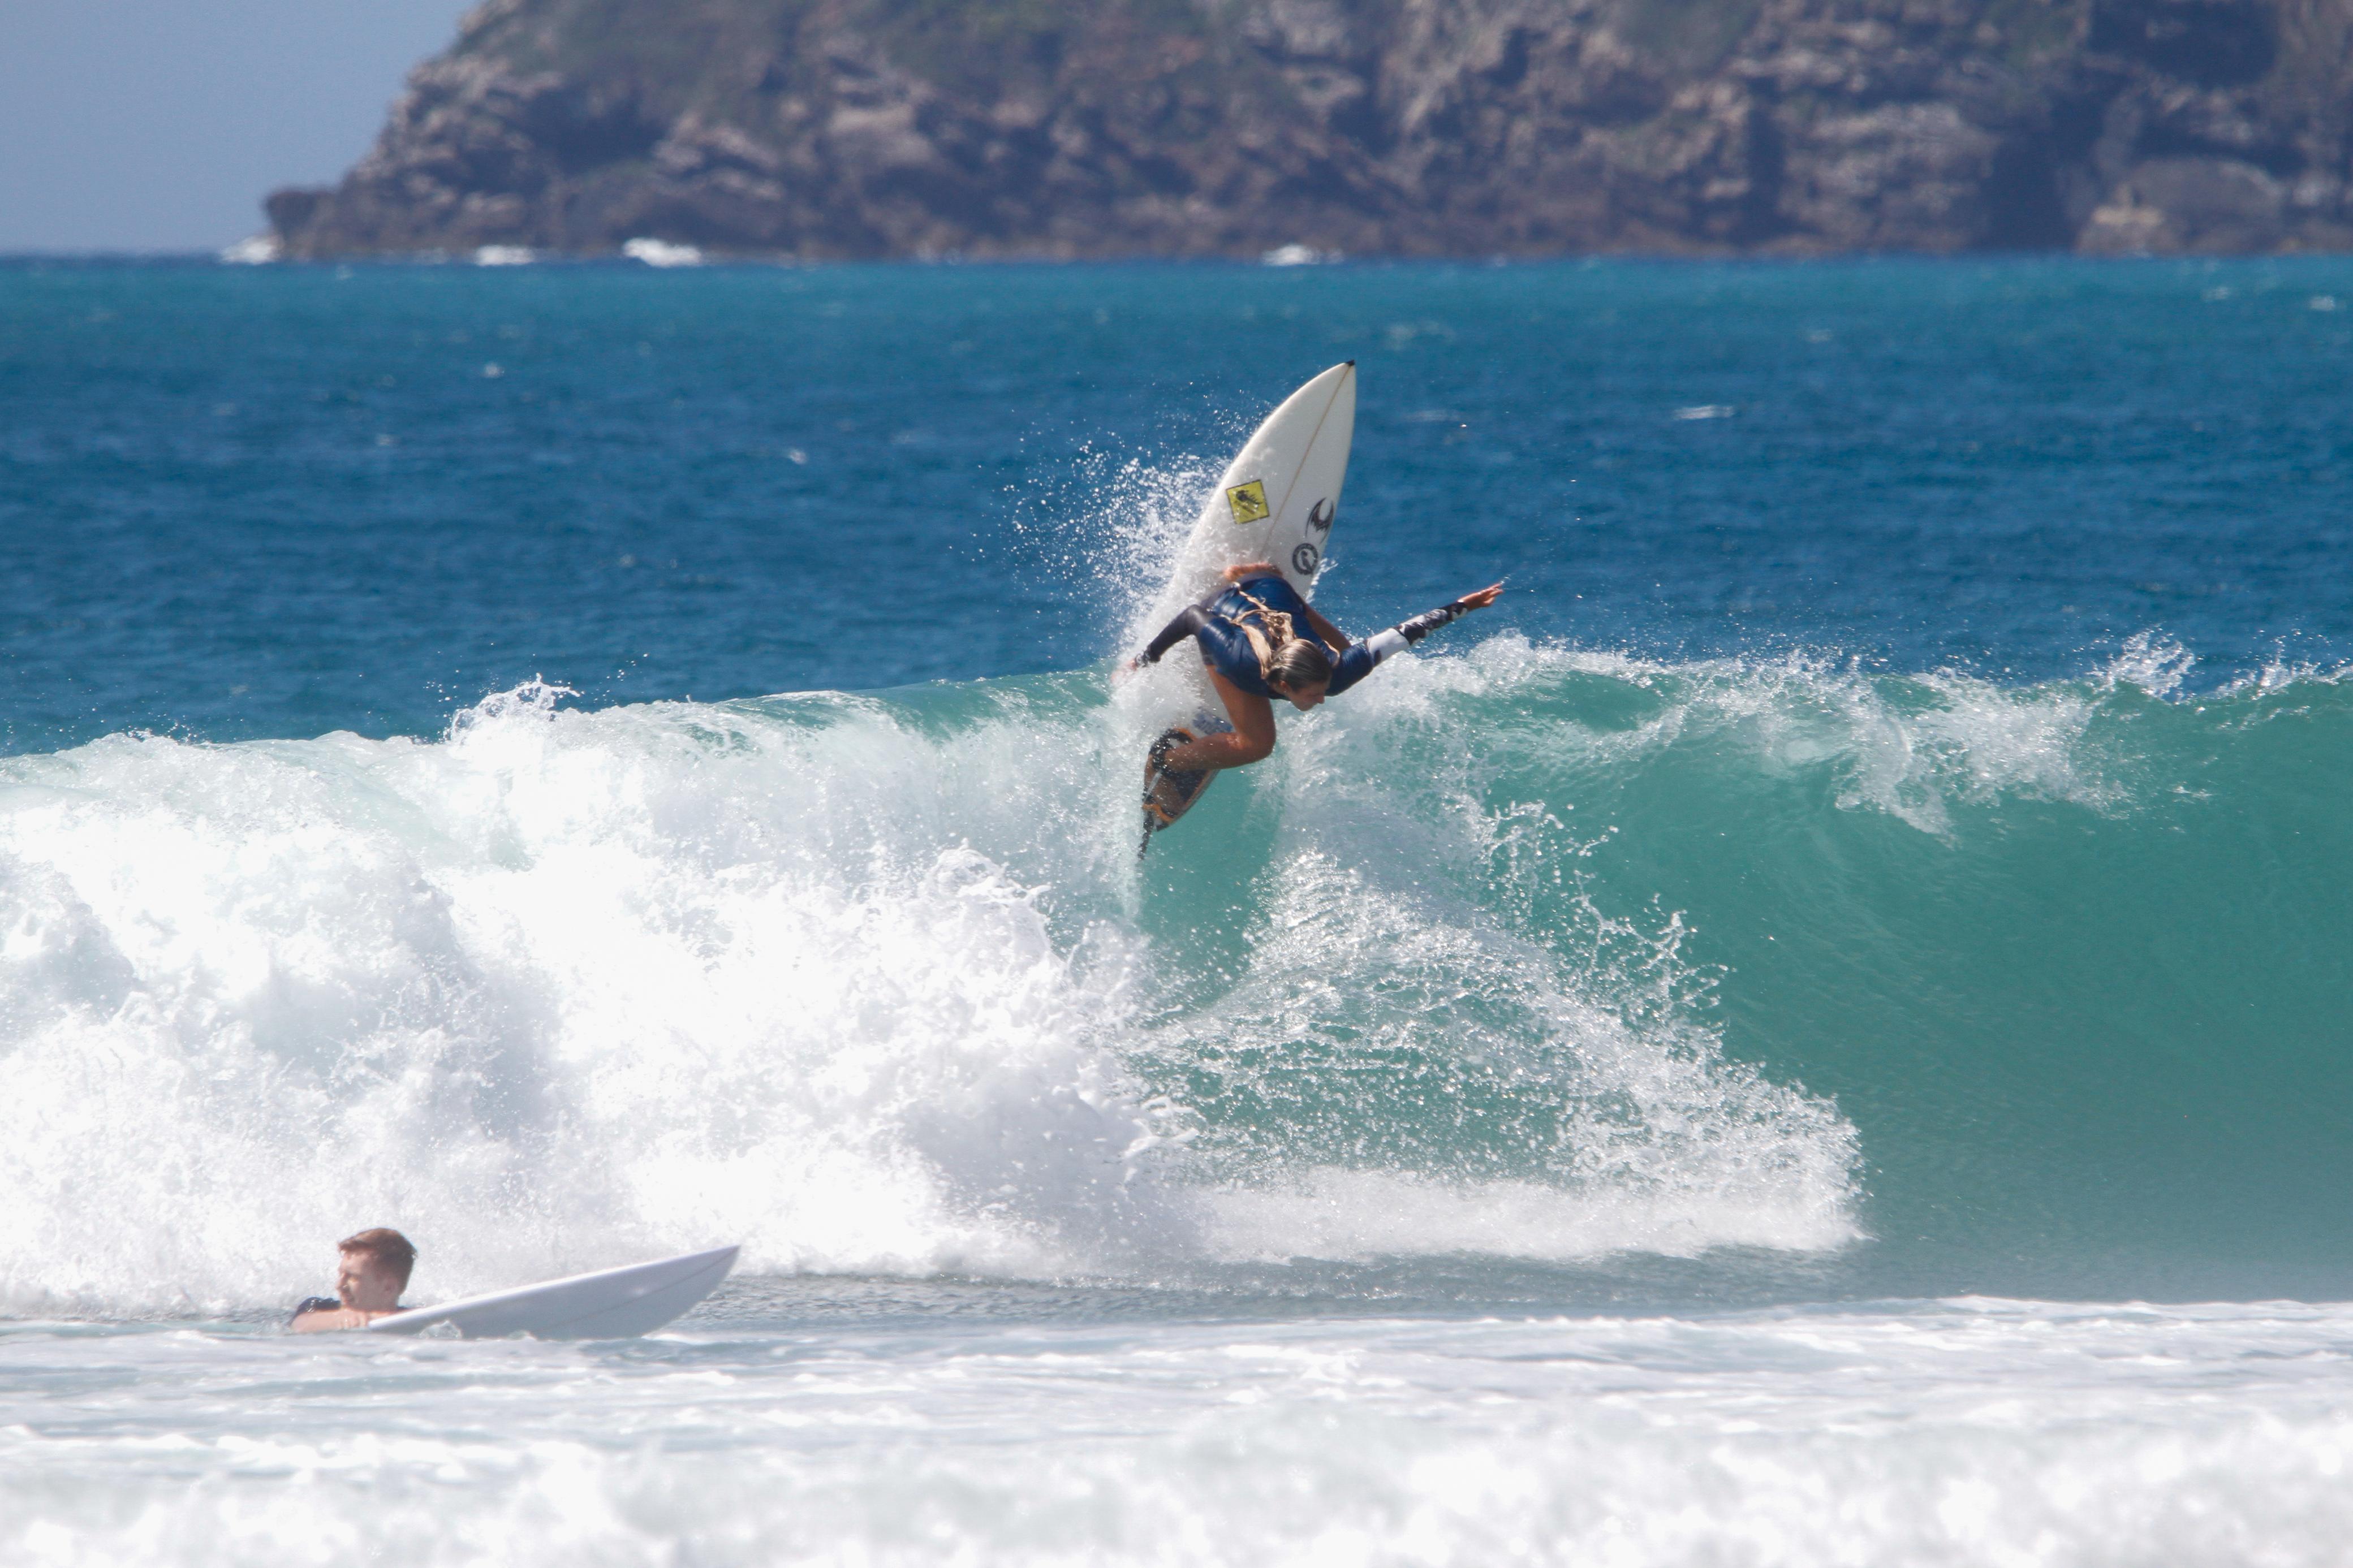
(612, 1304)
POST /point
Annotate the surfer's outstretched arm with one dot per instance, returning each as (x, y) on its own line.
(1358, 662)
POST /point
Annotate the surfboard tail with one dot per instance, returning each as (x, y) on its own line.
(1168, 792)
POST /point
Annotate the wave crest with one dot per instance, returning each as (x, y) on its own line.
(1524, 950)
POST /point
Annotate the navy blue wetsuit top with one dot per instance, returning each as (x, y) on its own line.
(1214, 623)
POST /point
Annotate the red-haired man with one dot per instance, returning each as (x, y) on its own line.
(371, 1272)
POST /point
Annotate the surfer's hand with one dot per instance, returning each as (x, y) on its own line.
(1250, 569)
(1480, 600)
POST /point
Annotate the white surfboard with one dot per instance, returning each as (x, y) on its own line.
(612, 1304)
(1278, 498)
(1275, 503)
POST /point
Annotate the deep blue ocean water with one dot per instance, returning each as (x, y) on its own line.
(267, 502)
(1706, 1062)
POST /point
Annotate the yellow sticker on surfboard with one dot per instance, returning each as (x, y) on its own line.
(1248, 503)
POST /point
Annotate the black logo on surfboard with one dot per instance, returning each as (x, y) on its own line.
(1305, 559)
(1319, 517)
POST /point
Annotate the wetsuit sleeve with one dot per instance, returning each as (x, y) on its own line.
(1428, 621)
(1189, 621)
(315, 1304)
(1359, 661)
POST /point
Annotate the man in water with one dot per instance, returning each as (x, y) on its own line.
(371, 1272)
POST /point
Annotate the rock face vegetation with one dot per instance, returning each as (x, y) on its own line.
(1106, 128)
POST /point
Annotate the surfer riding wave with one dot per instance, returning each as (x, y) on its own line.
(1261, 640)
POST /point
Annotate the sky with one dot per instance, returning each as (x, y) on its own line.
(159, 125)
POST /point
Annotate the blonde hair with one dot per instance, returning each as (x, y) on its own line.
(1284, 657)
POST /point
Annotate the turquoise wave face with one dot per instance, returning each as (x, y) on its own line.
(2065, 959)
(2070, 958)
(1541, 970)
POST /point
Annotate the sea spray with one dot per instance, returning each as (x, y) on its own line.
(559, 990)
(1398, 1074)
(845, 978)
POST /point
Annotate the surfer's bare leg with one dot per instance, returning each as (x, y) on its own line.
(1252, 737)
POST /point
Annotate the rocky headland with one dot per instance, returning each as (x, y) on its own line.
(819, 129)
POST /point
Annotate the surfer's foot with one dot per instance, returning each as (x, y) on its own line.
(1175, 735)
(1167, 790)
(1157, 758)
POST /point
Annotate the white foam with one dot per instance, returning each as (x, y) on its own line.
(1413, 1078)
(2155, 663)
(821, 976)
(1359, 1215)
(1911, 746)
(1956, 1433)
(2279, 673)
(557, 991)
(662, 252)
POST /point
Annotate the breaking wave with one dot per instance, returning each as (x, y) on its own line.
(1524, 952)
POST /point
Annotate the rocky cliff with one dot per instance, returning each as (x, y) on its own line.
(1097, 127)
